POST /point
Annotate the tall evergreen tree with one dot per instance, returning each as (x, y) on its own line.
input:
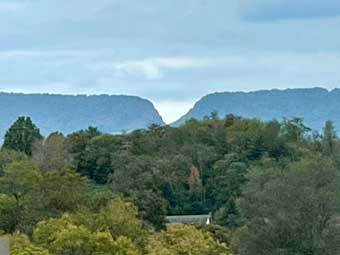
(22, 135)
(329, 137)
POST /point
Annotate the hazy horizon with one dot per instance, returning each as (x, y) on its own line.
(170, 52)
(172, 117)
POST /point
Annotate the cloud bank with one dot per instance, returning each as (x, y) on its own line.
(269, 10)
(168, 51)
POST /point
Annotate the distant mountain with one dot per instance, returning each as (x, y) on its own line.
(315, 105)
(67, 114)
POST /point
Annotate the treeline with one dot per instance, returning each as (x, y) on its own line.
(273, 188)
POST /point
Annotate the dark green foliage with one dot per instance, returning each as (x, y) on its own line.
(97, 157)
(151, 206)
(294, 129)
(29, 195)
(329, 138)
(292, 210)
(22, 135)
(272, 187)
(197, 168)
(228, 215)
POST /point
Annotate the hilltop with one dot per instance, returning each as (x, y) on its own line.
(314, 105)
(66, 113)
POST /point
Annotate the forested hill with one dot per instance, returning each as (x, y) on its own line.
(70, 113)
(315, 105)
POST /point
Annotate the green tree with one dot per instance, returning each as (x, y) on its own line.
(96, 162)
(294, 129)
(76, 144)
(21, 245)
(18, 183)
(63, 237)
(172, 178)
(50, 199)
(135, 179)
(9, 156)
(151, 207)
(22, 135)
(29, 195)
(120, 218)
(329, 138)
(292, 210)
(92, 131)
(185, 240)
(119, 246)
(113, 230)
(8, 212)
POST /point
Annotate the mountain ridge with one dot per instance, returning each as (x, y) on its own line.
(69, 113)
(315, 105)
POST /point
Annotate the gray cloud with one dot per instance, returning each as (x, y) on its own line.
(269, 10)
(84, 24)
(168, 51)
(168, 79)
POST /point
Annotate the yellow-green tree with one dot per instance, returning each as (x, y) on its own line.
(115, 229)
(120, 218)
(21, 245)
(185, 240)
(63, 236)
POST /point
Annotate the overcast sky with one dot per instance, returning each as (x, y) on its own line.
(169, 51)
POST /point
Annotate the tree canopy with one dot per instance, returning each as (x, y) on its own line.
(22, 135)
(272, 188)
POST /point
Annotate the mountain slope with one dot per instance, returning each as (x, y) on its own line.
(70, 113)
(315, 105)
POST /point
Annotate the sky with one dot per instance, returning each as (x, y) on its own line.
(172, 52)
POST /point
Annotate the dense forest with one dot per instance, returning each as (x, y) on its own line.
(66, 113)
(273, 188)
(314, 105)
